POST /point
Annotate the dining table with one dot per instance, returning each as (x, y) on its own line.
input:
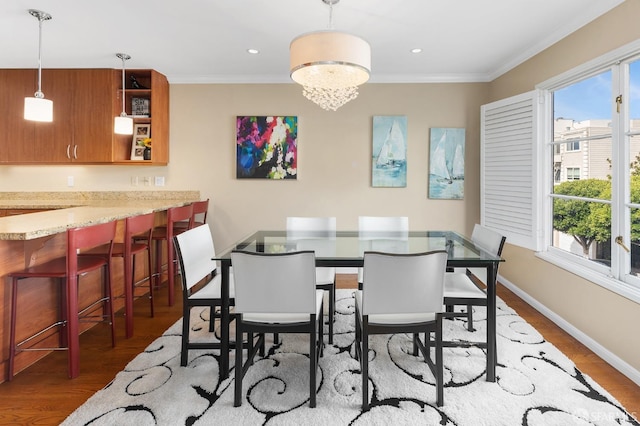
(345, 249)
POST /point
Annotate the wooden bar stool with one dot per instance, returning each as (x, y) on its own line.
(199, 215)
(165, 233)
(137, 239)
(66, 271)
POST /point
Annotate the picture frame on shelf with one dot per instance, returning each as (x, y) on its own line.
(141, 132)
(140, 107)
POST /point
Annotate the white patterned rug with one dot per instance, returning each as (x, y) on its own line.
(536, 384)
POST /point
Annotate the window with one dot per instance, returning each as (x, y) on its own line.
(593, 208)
(573, 173)
(583, 203)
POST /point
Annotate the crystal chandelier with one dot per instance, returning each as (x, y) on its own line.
(330, 65)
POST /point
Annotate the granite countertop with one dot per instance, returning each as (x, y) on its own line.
(70, 210)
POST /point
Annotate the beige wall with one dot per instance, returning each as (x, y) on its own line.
(334, 170)
(605, 317)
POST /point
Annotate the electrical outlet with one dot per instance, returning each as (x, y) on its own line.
(159, 181)
(70, 181)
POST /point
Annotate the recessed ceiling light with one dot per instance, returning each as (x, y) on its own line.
(416, 50)
(253, 51)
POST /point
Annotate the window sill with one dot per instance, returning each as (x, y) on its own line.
(623, 289)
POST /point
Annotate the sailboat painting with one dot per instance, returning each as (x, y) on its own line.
(389, 153)
(446, 163)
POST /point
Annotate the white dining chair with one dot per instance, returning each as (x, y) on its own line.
(467, 286)
(201, 283)
(412, 304)
(317, 234)
(276, 293)
(384, 234)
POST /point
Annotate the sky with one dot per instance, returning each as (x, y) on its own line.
(591, 98)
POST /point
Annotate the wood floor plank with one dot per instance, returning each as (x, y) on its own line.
(43, 395)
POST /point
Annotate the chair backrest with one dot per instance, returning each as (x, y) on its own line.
(403, 283)
(384, 233)
(195, 250)
(313, 233)
(136, 225)
(200, 210)
(383, 227)
(274, 282)
(178, 214)
(310, 227)
(488, 239)
(86, 238)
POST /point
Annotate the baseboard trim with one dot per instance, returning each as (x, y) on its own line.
(615, 361)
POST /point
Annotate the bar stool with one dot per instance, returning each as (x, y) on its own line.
(199, 216)
(137, 239)
(67, 270)
(165, 233)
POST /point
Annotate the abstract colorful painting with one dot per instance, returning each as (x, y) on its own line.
(446, 164)
(267, 147)
(389, 160)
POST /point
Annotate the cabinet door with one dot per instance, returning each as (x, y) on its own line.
(93, 115)
(53, 142)
(15, 85)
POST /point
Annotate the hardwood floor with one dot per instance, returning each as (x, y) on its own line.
(43, 395)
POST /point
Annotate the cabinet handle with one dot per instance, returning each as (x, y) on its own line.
(68, 152)
(75, 152)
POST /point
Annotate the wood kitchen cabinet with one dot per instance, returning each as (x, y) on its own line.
(85, 103)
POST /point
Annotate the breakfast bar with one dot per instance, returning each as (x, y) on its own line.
(33, 230)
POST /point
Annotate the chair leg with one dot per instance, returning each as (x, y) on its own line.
(150, 279)
(415, 344)
(365, 368)
(439, 364)
(237, 398)
(470, 318)
(12, 338)
(312, 361)
(332, 307)
(186, 317)
(109, 302)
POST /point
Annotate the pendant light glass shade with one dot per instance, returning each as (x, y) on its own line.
(123, 125)
(38, 108)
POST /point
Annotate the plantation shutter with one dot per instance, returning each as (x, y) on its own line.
(508, 169)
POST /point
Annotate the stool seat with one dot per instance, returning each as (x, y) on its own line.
(57, 268)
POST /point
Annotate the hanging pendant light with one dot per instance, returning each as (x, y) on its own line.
(330, 65)
(123, 124)
(38, 108)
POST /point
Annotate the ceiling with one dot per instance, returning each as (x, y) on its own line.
(206, 41)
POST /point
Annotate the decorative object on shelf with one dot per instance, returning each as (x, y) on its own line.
(146, 153)
(389, 160)
(123, 124)
(330, 65)
(38, 108)
(446, 164)
(135, 84)
(140, 107)
(141, 142)
(267, 147)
